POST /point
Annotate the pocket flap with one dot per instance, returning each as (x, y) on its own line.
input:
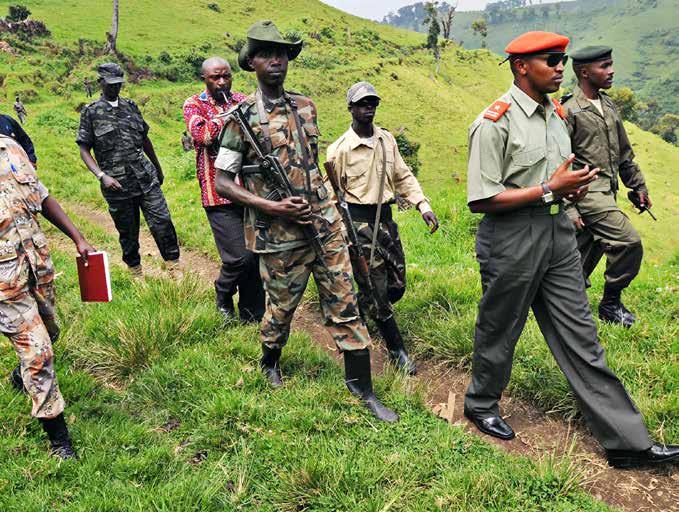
(528, 157)
(39, 240)
(7, 252)
(103, 129)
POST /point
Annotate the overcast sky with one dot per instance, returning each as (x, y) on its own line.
(377, 9)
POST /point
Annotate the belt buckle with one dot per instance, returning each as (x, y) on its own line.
(554, 209)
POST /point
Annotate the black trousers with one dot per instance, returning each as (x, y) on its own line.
(240, 267)
(125, 215)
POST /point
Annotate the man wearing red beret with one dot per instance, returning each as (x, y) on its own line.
(519, 174)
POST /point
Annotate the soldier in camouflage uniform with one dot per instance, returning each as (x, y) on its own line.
(370, 170)
(599, 140)
(27, 309)
(130, 182)
(285, 124)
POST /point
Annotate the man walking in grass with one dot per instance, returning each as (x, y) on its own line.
(284, 124)
(599, 139)
(203, 115)
(130, 182)
(27, 300)
(519, 174)
(370, 171)
(20, 110)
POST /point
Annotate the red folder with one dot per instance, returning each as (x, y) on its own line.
(95, 279)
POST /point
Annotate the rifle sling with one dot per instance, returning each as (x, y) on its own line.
(302, 142)
(380, 196)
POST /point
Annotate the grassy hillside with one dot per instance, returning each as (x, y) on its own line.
(643, 34)
(158, 355)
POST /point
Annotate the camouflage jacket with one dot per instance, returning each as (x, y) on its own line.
(117, 135)
(23, 246)
(601, 141)
(264, 234)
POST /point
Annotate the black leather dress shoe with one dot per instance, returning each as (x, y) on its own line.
(494, 426)
(656, 455)
(616, 313)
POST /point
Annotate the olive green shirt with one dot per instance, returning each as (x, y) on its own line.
(521, 149)
(600, 140)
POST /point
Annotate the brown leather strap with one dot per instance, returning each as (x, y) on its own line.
(380, 196)
(302, 141)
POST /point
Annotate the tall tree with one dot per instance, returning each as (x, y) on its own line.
(481, 27)
(447, 15)
(112, 36)
(432, 21)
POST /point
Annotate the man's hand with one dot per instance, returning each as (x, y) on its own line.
(565, 182)
(84, 248)
(579, 224)
(295, 209)
(578, 195)
(642, 200)
(431, 220)
(160, 175)
(110, 183)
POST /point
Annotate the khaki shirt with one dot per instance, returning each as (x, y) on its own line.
(359, 164)
(522, 149)
(265, 234)
(600, 140)
(23, 245)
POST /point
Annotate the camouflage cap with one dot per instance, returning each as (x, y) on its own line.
(111, 73)
(361, 90)
(264, 34)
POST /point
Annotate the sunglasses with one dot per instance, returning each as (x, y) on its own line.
(367, 103)
(553, 59)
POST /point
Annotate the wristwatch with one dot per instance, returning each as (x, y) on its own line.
(548, 195)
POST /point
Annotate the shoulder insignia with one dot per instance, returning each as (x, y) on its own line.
(566, 97)
(496, 110)
(559, 109)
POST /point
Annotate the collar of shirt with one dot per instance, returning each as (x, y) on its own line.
(270, 104)
(355, 141)
(207, 97)
(583, 101)
(528, 104)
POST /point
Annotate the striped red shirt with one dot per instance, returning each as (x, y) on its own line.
(200, 115)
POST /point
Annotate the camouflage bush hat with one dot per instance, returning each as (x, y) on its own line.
(264, 34)
(361, 90)
(111, 73)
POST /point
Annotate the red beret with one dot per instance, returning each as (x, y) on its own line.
(534, 42)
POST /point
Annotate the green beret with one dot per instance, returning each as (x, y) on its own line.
(591, 54)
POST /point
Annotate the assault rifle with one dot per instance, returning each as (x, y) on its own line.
(355, 247)
(277, 179)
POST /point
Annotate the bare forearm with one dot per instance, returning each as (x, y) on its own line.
(507, 200)
(226, 187)
(89, 160)
(53, 212)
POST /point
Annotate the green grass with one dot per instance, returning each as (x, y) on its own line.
(169, 412)
(159, 354)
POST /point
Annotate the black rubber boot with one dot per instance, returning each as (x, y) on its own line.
(397, 351)
(612, 310)
(270, 365)
(359, 381)
(16, 380)
(60, 441)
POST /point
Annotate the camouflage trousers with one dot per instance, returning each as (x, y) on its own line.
(388, 271)
(125, 215)
(27, 319)
(285, 275)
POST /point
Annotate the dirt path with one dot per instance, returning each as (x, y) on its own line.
(538, 434)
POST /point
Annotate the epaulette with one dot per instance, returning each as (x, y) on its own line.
(496, 111)
(566, 97)
(559, 109)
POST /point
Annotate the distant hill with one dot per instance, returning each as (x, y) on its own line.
(643, 33)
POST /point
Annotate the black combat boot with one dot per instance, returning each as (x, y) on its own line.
(60, 441)
(270, 365)
(359, 382)
(397, 351)
(16, 380)
(226, 307)
(612, 310)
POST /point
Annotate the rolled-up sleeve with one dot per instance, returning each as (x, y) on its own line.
(232, 147)
(486, 160)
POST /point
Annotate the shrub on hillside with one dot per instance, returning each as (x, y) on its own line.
(409, 151)
(18, 13)
(57, 122)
